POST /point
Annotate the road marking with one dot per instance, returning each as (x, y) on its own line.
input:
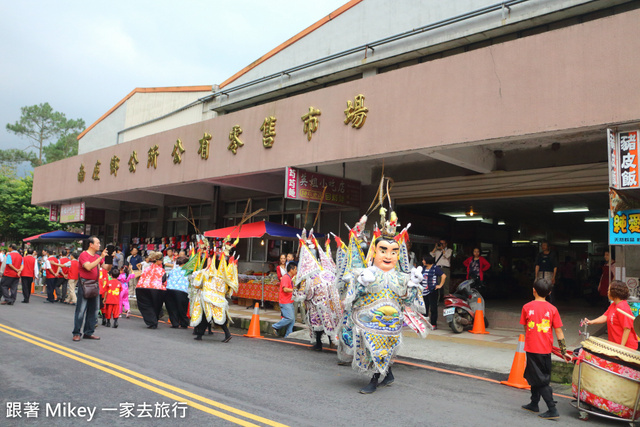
(89, 360)
(418, 365)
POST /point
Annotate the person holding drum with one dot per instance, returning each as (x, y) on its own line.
(618, 317)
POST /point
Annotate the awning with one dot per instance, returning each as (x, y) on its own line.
(57, 236)
(259, 229)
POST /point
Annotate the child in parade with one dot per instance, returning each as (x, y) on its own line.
(433, 278)
(618, 317)
(112, 298)
(103, 280)
(540, 319)
(124, 278)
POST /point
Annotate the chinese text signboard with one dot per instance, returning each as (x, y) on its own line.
(54, 213)
(624, 228)
(72, 213)
(303, 185)
(623, 159)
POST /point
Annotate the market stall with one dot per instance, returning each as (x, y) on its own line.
(258, 287)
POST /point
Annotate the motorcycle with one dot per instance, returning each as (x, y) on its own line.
(460, 307)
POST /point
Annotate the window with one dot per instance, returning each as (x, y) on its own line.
(258, 250)
(274, 205)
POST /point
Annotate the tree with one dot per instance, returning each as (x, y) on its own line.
(18, 217)
(14, 156)
(40, 123)
(66, 146)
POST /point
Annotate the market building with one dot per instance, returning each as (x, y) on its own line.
(490, 117)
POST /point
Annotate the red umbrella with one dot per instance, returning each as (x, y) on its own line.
(259, 229)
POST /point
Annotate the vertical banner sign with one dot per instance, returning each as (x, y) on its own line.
(614, 176)
(303, 185)
(54, 213)
(628, 159)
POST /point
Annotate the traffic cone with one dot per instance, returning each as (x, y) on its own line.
(254, 326)
(33, 288)
(478, 321)
(516, 376)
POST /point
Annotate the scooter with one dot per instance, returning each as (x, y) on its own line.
(460, 307)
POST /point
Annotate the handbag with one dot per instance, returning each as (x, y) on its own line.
(90, 288)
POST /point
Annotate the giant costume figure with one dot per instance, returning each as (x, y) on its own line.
(380, 299)
(320, 296)
(211, 288)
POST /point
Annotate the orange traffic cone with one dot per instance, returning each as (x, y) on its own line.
(254, 326)
(33, 288)
(516, 376)
(478, 321)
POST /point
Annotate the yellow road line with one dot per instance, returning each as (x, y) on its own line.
(85, 358)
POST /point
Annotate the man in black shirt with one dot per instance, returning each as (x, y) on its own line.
(546, 265)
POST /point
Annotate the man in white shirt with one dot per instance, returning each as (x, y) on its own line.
(168, 261)
(442, 255)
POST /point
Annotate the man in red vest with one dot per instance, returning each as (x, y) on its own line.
(11, 277)
(29, 271)
(50, 266)
(63, 275)
(73, 279)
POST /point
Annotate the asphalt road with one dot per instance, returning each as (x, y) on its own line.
(136, 376)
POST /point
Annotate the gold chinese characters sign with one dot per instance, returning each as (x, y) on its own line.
(133, 161)
(268, 129)
(205, 141)
(96, 171)
(356, 112)
(235, 140)
(114, 165)
(81, 173)
(152, 159)
(178, 150)
(311, 122)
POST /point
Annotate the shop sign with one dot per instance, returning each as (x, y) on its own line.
(54, 213)
(72, 213)
(623, 159)
(624, 228)
(303, 185)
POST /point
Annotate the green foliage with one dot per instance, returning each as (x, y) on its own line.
(12, 157)
(18, 218)
(40, 123)
(66, 146)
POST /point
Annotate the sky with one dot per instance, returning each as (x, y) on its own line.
(83, 57)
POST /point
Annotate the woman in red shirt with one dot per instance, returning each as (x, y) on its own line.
(618, 317)
(476, 265)
(281, 269)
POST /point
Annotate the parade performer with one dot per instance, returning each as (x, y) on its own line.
(380, 298)
(150, 291)
(125, 278)
(211, 287)
(320, 296)
(112, 292)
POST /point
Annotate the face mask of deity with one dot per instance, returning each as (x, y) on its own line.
(386, 256)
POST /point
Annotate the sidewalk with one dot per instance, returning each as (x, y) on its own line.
(493, 352)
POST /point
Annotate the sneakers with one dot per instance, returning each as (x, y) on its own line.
(275, 331)
(533, 407)
(551, 414)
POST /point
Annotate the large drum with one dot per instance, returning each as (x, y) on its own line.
(609, 377)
